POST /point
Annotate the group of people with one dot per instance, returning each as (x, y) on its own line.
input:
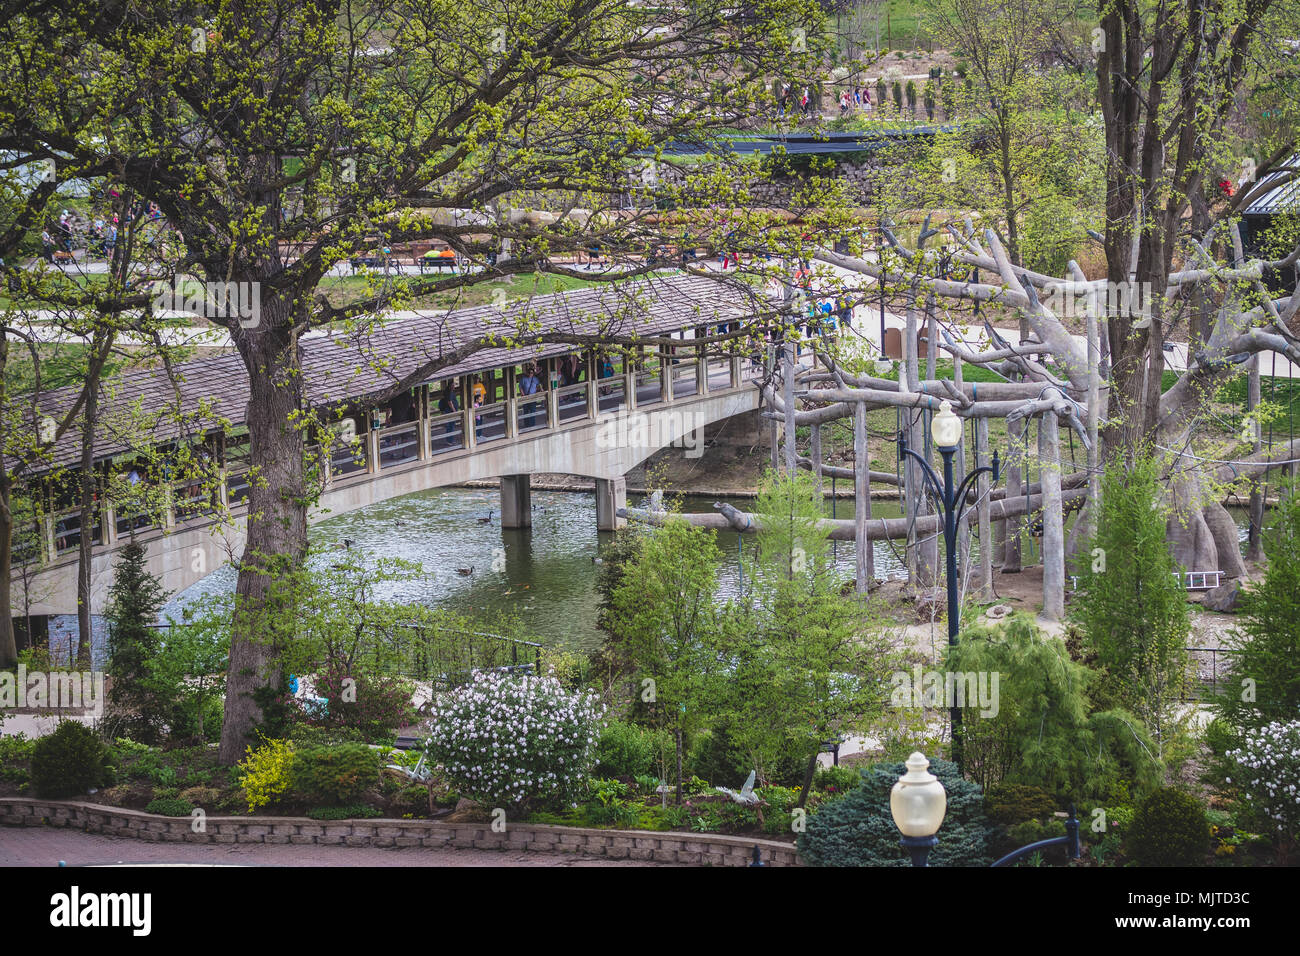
(858, 97)
(851, 98)
(98, 233)
(571, 370)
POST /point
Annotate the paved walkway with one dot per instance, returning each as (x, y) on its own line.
(47, 846)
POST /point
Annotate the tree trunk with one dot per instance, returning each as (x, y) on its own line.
(1011, 556)
(277, 527)
(8, 642)
(87, 517)
(1049, 458)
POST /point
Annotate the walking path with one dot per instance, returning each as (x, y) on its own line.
(48, 846)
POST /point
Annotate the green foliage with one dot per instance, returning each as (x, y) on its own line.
(1043, 733)
(266, 773)
(1133, 610)
(1266, 651)
(836, 779)
(1015, 802)
(334, 775)
(627, 750)
(714, 756)
(14, 752)
(1031, 831)
(189, 670)
(170, 807)
(1220, 736)
(809, 662)
(353, 812)
(138, 705)
(1169, 829)
(858, 829)
(69, 761)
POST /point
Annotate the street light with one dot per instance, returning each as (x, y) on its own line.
(945, 429)
(918, 803)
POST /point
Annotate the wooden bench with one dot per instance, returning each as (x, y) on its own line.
(437, 262)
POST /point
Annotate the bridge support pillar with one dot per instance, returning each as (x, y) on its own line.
(611, 494)
(516, 502)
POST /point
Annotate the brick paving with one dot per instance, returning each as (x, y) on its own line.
(46, 846)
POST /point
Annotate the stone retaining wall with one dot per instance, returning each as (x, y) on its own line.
(664, 847)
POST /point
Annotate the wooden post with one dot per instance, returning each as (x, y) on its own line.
(865, 571)
(1255, 544)
(982, 511)
(1049, 476)
(1011, 556)
(1093, 506)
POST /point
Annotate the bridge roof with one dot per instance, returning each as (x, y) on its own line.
(343, 366)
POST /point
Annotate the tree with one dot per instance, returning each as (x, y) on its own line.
(280, 138)
(664, 612)
(134, 601)
(810, 663)
(1130, 602)
(1263, 679)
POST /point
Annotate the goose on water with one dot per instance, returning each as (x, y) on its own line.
(465, 571)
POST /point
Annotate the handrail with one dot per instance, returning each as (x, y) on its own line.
(1070, 841)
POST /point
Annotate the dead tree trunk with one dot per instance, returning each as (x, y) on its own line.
(865, 571)
(984, 590)
(1049, 465)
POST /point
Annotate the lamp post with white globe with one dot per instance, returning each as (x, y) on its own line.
(945, 429)
(918, 803)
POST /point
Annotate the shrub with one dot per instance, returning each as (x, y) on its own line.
(504, 741)
(170, 807)
(69, 761)
(1220, 736)
(334, 775)
(1169, 829)
(1042, 732)
(715, 757)
(266, 773)
(1267, 776)
(1016, 802)
(15, 751)
(627, 750)
(858, 829)
(836, 779)
(375, 705)
(1031, 831)
(201, 796)
(356, 812)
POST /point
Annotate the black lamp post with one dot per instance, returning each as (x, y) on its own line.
(945, 429)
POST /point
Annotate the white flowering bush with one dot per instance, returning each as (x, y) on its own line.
(1268, 777)
(505, 740)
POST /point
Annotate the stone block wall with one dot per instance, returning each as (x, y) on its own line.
(692, 849)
